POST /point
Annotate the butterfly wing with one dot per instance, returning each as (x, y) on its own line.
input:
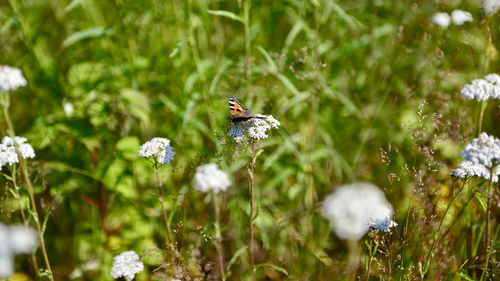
(237, 110)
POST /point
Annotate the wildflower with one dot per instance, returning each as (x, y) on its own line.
(8, 154)
(459, 17)
(255, 128)
(382, 220)
(483, 89)
(481, 157)
(490, 7)
(11, 78)
(210, 177)
(441, 19)
(126, 264)
(159, 149)
(15, 239)
(352, 209)
(469, 169)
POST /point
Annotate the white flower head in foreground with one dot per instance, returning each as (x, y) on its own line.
(159, 149)
(210, 177)
(256, 128)
(459, 17)
(484, 150)
(8, 154)
(126, 264)
(470, 169)
(15, 239)
(441, 19)
(11, 78)
(352, 209)
(483, 89)
(490, 7)
(480, 156)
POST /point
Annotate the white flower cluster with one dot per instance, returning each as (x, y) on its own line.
(8, 154)
(483, 89)
(210, 177)
(480, 157)
(355, 208)
(158, 148)
(490, 7)
(255, 127)
(14, 240)
(458, 17)
(126, 264)
(382, 220)
(11, 78)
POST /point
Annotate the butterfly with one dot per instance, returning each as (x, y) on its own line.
(238, 112)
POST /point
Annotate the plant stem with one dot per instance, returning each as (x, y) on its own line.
(252, 166)
(248, 51)
(30, 189)
(21, 209)
(218, 237)
(370, 256)
(169, 235)
(35, 214)
(488, 215)
(429, 255)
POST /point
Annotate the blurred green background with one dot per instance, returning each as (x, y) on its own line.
(364, 90)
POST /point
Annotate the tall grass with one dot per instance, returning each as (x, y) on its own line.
(364, 91)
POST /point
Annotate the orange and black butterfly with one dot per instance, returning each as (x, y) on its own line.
(238, 112)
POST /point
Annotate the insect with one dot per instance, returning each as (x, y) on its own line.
(238, 112)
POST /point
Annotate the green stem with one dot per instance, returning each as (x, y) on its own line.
(160, 194)
(429, 255)
(488, 217)
(252, 166)
(248, 50)
(218, 237)
(25, 173)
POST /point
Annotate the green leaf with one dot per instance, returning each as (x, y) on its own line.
(93, 32)
(238, 253)
(275, 267)
(480, 200)
(129, 147)
(466, 277)
(226, 14)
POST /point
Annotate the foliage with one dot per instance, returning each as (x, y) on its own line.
(364, 90)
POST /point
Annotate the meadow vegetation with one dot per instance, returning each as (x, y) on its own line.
(364, 91)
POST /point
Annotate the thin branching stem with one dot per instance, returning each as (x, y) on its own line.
(160, 194)
(488, 218)
(218, 239)
(252, 166)
(25, 173)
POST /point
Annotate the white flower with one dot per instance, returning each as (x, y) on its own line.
(209, 177)
(484, 150)
(441, 19)
(16, 239)
(480, 156)
(11, 78)
(459, 17)
(126, 264)
(381, 220)
(352, 208)
(8, 154)
(158, 148)
(483, 89)
(469, 169)
(256, 128)
(490, 7)
(69, 109)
